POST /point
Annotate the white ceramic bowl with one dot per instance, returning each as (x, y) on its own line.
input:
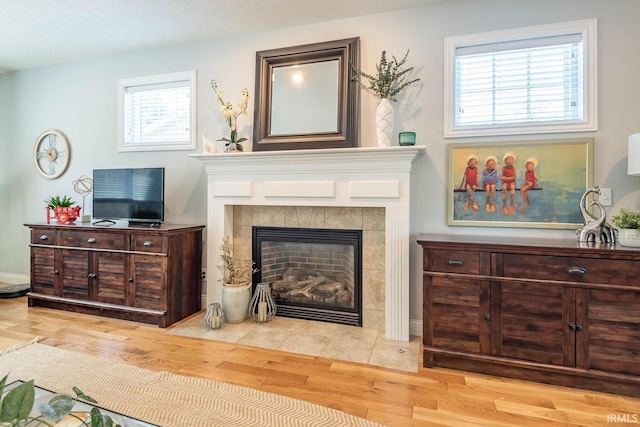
(629, 237)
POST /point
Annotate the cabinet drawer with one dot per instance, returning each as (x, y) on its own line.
(570, 269)
(148, 243)
(93, 240)
(43, 237)
(452, 261)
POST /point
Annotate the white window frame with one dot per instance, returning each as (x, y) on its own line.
(183, 76)
(587, 28)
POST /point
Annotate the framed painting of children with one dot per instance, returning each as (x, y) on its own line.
(530, 184)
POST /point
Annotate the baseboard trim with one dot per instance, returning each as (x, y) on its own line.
(415, 327)
(14, 279)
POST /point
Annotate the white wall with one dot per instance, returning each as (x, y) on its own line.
(80, 99)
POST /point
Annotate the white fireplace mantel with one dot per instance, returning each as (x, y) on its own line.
(348, 177)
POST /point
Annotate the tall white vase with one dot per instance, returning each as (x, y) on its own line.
(384, 122)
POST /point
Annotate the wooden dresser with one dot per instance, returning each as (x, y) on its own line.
(552, 311)
(150, 275)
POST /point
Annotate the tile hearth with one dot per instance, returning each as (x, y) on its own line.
(312, 338)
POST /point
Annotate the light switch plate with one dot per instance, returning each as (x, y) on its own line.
(605, 197)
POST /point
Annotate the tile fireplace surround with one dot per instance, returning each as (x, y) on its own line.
(365, 177)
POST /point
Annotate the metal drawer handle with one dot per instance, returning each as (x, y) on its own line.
(455, 262)
(148, 243)
(576, 270)
(92, 276)
(91, 240)
(44, 237)
(575, 326)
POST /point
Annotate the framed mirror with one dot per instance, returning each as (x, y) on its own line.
(305, 97)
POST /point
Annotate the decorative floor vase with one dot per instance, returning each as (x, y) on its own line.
(235, 302)
(384, 122)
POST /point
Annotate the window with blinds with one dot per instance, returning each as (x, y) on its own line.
(157, 112)
(530, 80)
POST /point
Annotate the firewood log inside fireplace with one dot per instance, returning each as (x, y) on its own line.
(313, 286)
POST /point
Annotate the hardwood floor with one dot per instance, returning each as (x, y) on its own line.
(432, 397)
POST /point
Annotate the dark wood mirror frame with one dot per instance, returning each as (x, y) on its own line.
(346, 51)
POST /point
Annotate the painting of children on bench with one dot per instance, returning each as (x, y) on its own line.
(539, 183)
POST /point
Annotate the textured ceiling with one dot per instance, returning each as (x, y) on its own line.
(35, 33)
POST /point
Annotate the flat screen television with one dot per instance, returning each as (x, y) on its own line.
(134, 194)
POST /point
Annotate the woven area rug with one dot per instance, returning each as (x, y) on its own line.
(163, 398)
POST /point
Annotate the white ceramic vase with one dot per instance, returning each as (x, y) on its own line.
(235, 302)
(384, 122)
(629, 237)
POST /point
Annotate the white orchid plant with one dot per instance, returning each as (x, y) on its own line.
(230, 115)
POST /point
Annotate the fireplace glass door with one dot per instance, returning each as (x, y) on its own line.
(313, 274)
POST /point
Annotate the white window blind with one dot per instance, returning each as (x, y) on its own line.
(158, 112)
(536, 83)
(542, 83)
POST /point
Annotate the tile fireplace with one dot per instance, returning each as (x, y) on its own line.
(336, 179)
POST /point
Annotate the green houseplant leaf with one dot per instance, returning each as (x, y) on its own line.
(627, 218)
(99, 420)
(80, 394)
(3, 381)
(58, 407)
(17, 404)
(55, 201)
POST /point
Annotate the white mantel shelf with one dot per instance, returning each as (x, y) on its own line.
(347, 177)
(383, 157)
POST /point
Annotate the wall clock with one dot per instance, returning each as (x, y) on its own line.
(51, 154)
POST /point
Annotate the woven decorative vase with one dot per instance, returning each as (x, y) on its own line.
(384, 122)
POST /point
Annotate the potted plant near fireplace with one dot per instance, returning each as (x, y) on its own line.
(236, 283)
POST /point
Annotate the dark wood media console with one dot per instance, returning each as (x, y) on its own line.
(145, 274)
(551, 311)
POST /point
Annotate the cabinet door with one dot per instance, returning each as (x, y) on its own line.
(610, 335)
(43, 271)
(74, 274)
(110, 277)
(457, 311)
(149, 282)
(533, 322)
